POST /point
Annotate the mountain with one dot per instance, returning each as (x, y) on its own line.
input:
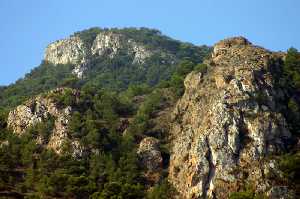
(130, 113)
(110, 58)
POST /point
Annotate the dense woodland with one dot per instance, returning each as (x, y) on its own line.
(108, 94)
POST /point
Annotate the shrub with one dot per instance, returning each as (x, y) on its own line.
(202, 68)
(289, 164)
(164, 190)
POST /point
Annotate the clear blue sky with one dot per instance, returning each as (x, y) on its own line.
(27, 26)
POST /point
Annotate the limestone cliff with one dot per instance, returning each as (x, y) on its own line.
(228, 123)
(75, 51)
(40, 109)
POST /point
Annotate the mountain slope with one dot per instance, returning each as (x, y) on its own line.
(107, 58)
(95, 127)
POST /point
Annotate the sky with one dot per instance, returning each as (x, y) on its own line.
(28, 26)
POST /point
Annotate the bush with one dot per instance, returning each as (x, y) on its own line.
(164, 190)
(201, 68)
(246, 195)
(290, 166)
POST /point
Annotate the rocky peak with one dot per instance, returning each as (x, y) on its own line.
(227, 123)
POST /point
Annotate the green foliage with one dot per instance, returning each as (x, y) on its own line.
(177, 79)
(116, 190)
(290, 165)
(184, 68)
(202, 68)
(3, 116)
(293, 115)
(146, 111)
(39, 80)
(66, 99)
(290, 82)
(135, 90)
(292, 67)
(164, 190)
(249, 194)
(75, 125)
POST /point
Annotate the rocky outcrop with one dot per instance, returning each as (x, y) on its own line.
(151, 158)
(149, 153)
(227, 123)
(68, 51)
(107, 44)
(74, 51)
(40, 109)
(110, 44)
(71, 50)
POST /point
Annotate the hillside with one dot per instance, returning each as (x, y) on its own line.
(106, 58)
(130, 113)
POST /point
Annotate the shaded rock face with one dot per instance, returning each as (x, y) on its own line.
(41, 109)
(150, 154)
(74, 51)
(151, 158)
(226, 123)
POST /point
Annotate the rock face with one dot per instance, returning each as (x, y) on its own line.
(227, 123)
(71, 50)
(74, 51)
(150, 155)
(110, 44)
(41, 109)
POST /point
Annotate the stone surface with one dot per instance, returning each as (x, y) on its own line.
(110, 44)
(226, 123)
(39, 109)
(71, 50)
(149, 154)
